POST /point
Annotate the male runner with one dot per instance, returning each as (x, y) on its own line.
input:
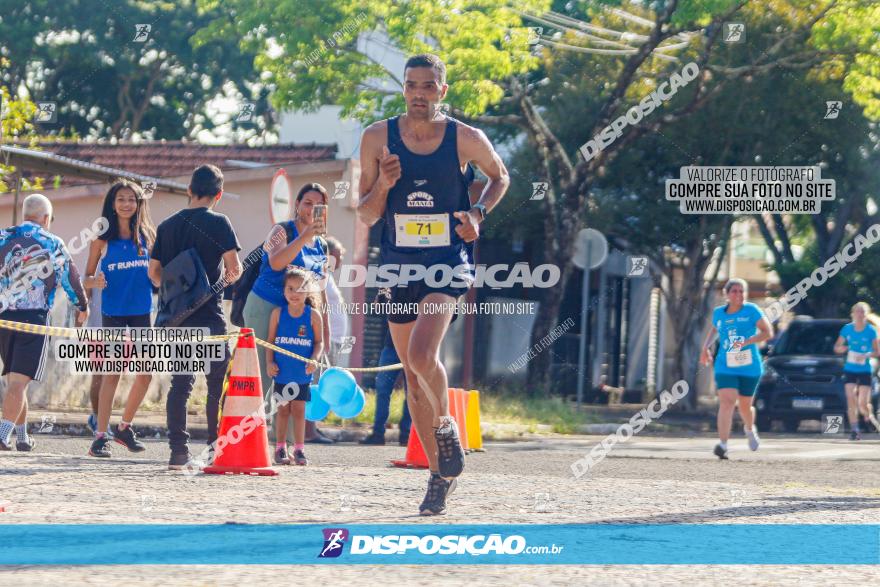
(412, 177)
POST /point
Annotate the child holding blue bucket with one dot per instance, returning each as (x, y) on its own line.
(296, 327)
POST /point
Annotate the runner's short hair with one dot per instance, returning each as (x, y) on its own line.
(427, 60)
(736, 281)
(207, 181)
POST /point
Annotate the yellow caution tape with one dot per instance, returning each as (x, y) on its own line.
(269, 345)
(38, 329)
(72, 333)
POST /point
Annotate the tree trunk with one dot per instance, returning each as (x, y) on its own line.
(558, 247)
(539, 367)
(688, 305)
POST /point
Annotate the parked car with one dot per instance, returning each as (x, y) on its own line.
(803, 377)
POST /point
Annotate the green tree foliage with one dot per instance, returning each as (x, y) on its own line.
(15, 123)
(82, 54)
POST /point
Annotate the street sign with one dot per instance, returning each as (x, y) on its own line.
(590, 251)
(279, 197)
(590, 248)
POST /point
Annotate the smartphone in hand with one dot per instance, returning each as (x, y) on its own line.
(320, 212)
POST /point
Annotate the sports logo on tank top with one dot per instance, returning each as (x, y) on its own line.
(420, 200)
(302, 330)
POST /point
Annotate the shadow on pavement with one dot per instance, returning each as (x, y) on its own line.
(798, 504)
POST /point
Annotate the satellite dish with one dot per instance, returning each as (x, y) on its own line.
(279, 197)
(590, 249)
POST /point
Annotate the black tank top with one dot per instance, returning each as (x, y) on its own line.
(431, 187)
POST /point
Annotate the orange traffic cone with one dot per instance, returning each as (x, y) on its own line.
(415, 453)
(461, 417)
(242, 446)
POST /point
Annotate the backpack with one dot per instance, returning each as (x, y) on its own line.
(248, 278)
(184, 289)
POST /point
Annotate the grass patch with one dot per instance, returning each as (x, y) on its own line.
(496, 406)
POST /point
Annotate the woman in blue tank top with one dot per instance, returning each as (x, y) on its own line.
(117, 265)
(296, 327)
(307, 250)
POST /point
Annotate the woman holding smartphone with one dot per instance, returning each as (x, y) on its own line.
(305, 249)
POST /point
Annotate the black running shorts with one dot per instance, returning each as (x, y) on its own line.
(403, 298)
(301, 392)
(135, 321)
(23, 352)
(857, 378)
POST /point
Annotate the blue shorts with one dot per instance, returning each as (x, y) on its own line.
(745, 385)
(857, 378)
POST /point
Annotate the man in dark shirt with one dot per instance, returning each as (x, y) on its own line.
(211, 235)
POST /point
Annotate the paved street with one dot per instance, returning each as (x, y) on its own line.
(793, 479)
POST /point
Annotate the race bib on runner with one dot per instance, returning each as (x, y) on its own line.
(421, 230)
(739, 358)
(856, 358)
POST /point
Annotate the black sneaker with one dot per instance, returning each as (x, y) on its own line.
(281, 457)
(855, 435)
(720, 452)
(450, 455)
(373, 439)
(25, 446)
(128, 439)
(403, 440)
(179, 460)
(99, 448)
(439, 489)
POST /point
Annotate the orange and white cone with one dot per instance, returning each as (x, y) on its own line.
(415, 457)
(242, 445)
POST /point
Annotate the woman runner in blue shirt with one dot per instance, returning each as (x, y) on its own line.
(126, 298)
(740, 326)
(858, 340)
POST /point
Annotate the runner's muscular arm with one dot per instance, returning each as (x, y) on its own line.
(474, 147)
(840, 346)
(475, 190)
(380, 170)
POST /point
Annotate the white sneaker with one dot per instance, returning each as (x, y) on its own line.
(754, 439)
